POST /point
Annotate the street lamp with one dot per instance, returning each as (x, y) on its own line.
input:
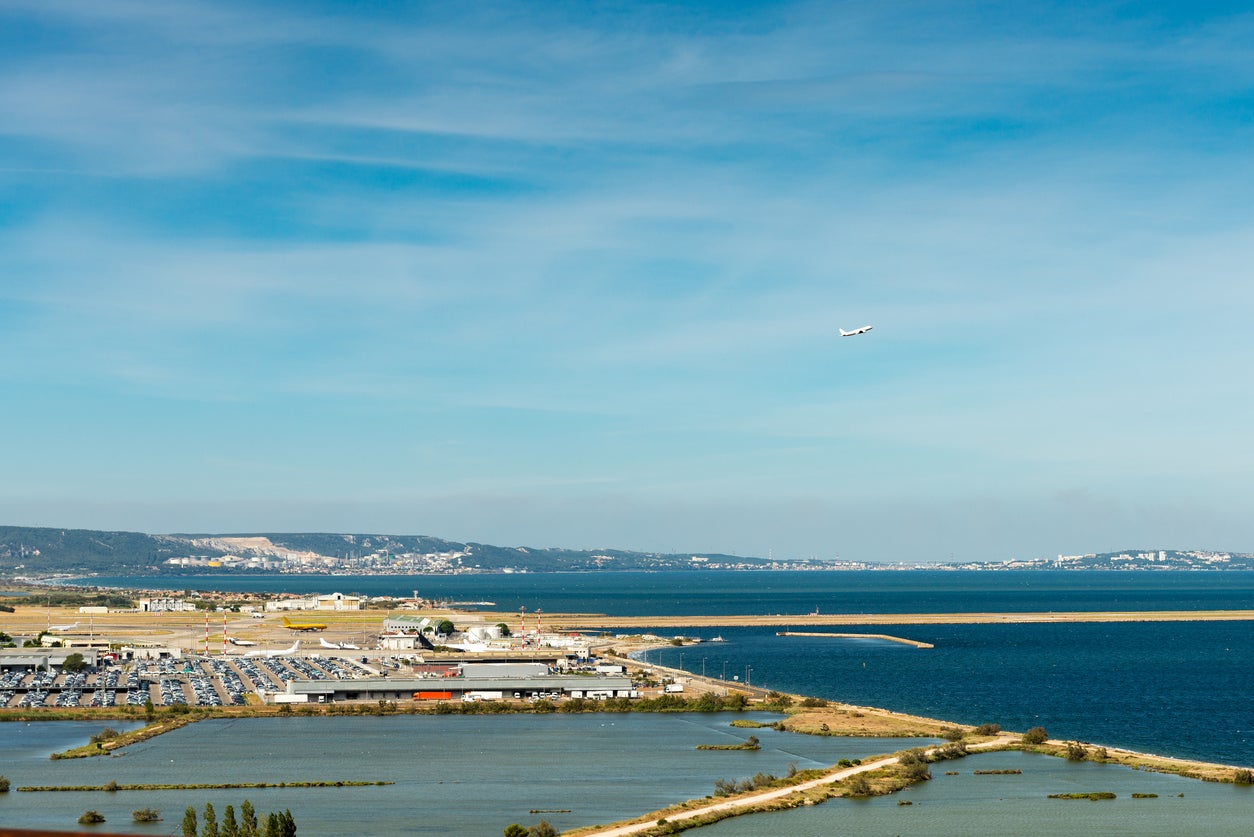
(748, 671)
(703, 666)
(724, 669)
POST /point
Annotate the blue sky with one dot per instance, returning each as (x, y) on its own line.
(571, 274)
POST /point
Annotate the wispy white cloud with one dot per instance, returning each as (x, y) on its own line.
(609, 248)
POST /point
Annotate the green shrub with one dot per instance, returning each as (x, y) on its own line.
(1243, 777)
(859, 787)
(988, 729)
(91, 818)
(1036, 735)
(4, 784)
(146, 815)
(1076, 751)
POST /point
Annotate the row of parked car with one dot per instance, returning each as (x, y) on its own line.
(203, 681)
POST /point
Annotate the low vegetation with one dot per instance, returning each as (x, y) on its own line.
(146, 815)
(751, 744)
(731, 787)
(115, 786)
(1093, 795)
(91, 818)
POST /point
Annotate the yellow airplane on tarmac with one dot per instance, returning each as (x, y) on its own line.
(303, 626)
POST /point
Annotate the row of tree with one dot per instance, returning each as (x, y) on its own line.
(248, 824)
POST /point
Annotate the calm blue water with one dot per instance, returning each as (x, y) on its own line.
(724, 593)
(1173, 688)
(454, 775)
(967, 804)
(1178, 689)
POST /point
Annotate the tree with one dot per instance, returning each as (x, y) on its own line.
(74, 662)
(445, 627)
(229, 827)
(210, 827)
(504, 629)
(1036, 735)
(859, 786)
(1076, 751)
(287, 825)
(542, 829)
(247, 820)
(189, 822)
(515, 830)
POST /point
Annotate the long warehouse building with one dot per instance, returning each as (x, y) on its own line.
(455, 688)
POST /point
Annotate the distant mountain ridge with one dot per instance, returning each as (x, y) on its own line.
(33, 551)
(36, 551)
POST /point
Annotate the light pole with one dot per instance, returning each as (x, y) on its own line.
(681, 660)
(748, 681)
(724, 669)
(703, 666)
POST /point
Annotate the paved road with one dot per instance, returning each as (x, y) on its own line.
(775, 793)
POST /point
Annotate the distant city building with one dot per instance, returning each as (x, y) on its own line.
(330, 601)
(164, 605)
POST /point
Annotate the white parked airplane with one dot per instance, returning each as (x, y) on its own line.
(856, 331)
(342, 646)
(279, 653)
(235, 641)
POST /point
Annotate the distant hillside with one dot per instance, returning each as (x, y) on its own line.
(40, 551)
(37, 551)
(1128, 559)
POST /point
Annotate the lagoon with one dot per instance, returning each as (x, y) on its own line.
(967, 804)
(465, 775)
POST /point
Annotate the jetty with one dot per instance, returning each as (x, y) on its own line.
(912, 642)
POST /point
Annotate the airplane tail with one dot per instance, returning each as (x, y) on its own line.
(844, 333)
(286, 623)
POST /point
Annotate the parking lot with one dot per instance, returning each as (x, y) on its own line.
(191, 681)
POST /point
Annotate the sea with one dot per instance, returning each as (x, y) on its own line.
(1172, 688)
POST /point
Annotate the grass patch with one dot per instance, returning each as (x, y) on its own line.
(1093, 795)
(112, 787)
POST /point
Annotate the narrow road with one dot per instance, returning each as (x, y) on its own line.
(775, 793)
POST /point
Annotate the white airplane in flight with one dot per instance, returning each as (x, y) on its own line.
(855, 332)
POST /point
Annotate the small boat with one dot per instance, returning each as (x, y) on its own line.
(716, 639)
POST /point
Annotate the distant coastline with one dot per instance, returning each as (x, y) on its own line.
(42, 553)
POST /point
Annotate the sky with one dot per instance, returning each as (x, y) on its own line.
(572, 274)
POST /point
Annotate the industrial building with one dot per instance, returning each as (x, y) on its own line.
(29, 659)
(485, 681)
